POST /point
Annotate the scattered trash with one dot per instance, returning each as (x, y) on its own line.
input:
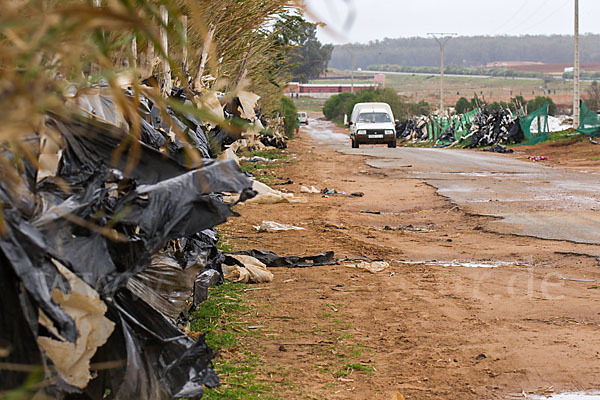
(373, 267)
(272, 260)
(99, 253)
(266, 195)
(371, 212)
(245, 269)
(205, 280)
(312, 189)
(272, 226)
(481, 356)
(577, 280)
(498, 148)
(537, 158)
(256, 159)
(356, 194)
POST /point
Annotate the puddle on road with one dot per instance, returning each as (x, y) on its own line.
(321, 131)
(467, 264)
(568, 396)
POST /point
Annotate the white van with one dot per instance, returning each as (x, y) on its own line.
(302, 118)
(372, 123)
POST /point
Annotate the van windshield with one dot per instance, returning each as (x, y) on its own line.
(374, 117)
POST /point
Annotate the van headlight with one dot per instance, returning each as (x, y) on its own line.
(361, 132)
(389, 132)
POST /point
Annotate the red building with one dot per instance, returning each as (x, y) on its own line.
(326, 89)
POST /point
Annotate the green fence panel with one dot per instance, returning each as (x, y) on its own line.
(540, 116)
(590, 122)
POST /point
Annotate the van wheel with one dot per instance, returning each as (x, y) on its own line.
(354, 144)
(392, 144)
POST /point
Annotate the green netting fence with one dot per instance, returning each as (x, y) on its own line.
(535, 126)
(461, 124)
(590, 122)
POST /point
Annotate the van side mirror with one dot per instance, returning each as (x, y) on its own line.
(350, 123)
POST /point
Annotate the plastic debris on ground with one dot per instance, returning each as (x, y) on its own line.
(306, 189)
(537, 158)
(272, 226)
(272, 260)
(373, 266)
(245, 269)
(498, 149)
(99, 254)
(267, 195)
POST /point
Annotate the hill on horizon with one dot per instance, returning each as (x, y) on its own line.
(467, 51)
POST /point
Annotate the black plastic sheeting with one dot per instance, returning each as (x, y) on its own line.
(272, 260)
(104, 220)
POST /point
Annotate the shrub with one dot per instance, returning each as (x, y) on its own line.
(539, 101)
(290, 116)
(336, 106)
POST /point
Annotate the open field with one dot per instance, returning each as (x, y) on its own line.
(427, 87)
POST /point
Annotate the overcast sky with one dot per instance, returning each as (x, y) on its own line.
(378, 19)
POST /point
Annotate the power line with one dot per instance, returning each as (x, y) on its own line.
(508, 21)
(548, 16)
(522, 21)
(442, 39)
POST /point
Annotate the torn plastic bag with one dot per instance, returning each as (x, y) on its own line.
(245, 269)
(25, 250)
(92, 144)
(151, 136)
(206, 280)
(271, 259)
(165, 285)
(182, 206)
(18, 322)
(150, 357)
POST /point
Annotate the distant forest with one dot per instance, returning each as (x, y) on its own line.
(467, 51)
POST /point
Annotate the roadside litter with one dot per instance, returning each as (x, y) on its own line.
(312, 189)
(373, 267)
(245, 269)
(537, 158)
(103, 252)
(272, 260)
(499, 149)
(272, 226)
(264, 195)
(480, 127)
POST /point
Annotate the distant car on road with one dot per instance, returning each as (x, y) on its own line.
(372, 123)
(302, 118)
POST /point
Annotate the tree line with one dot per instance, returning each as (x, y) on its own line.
(466, 50)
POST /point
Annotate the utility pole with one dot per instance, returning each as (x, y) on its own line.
(576, 87)
(442, 39)
(352, 73)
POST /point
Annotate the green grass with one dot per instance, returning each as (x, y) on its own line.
(560, 136)
(220, 317)
(593, 158)
(349, 368)
(273, 154)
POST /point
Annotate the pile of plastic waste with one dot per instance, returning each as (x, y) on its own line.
(105, 237)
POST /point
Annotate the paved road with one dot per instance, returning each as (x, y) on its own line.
(527, 198)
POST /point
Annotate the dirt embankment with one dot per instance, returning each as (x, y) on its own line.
(426, 331)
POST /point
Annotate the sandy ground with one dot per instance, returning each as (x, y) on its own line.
(419, 328)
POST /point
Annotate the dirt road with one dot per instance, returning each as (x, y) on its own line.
(426, 327)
